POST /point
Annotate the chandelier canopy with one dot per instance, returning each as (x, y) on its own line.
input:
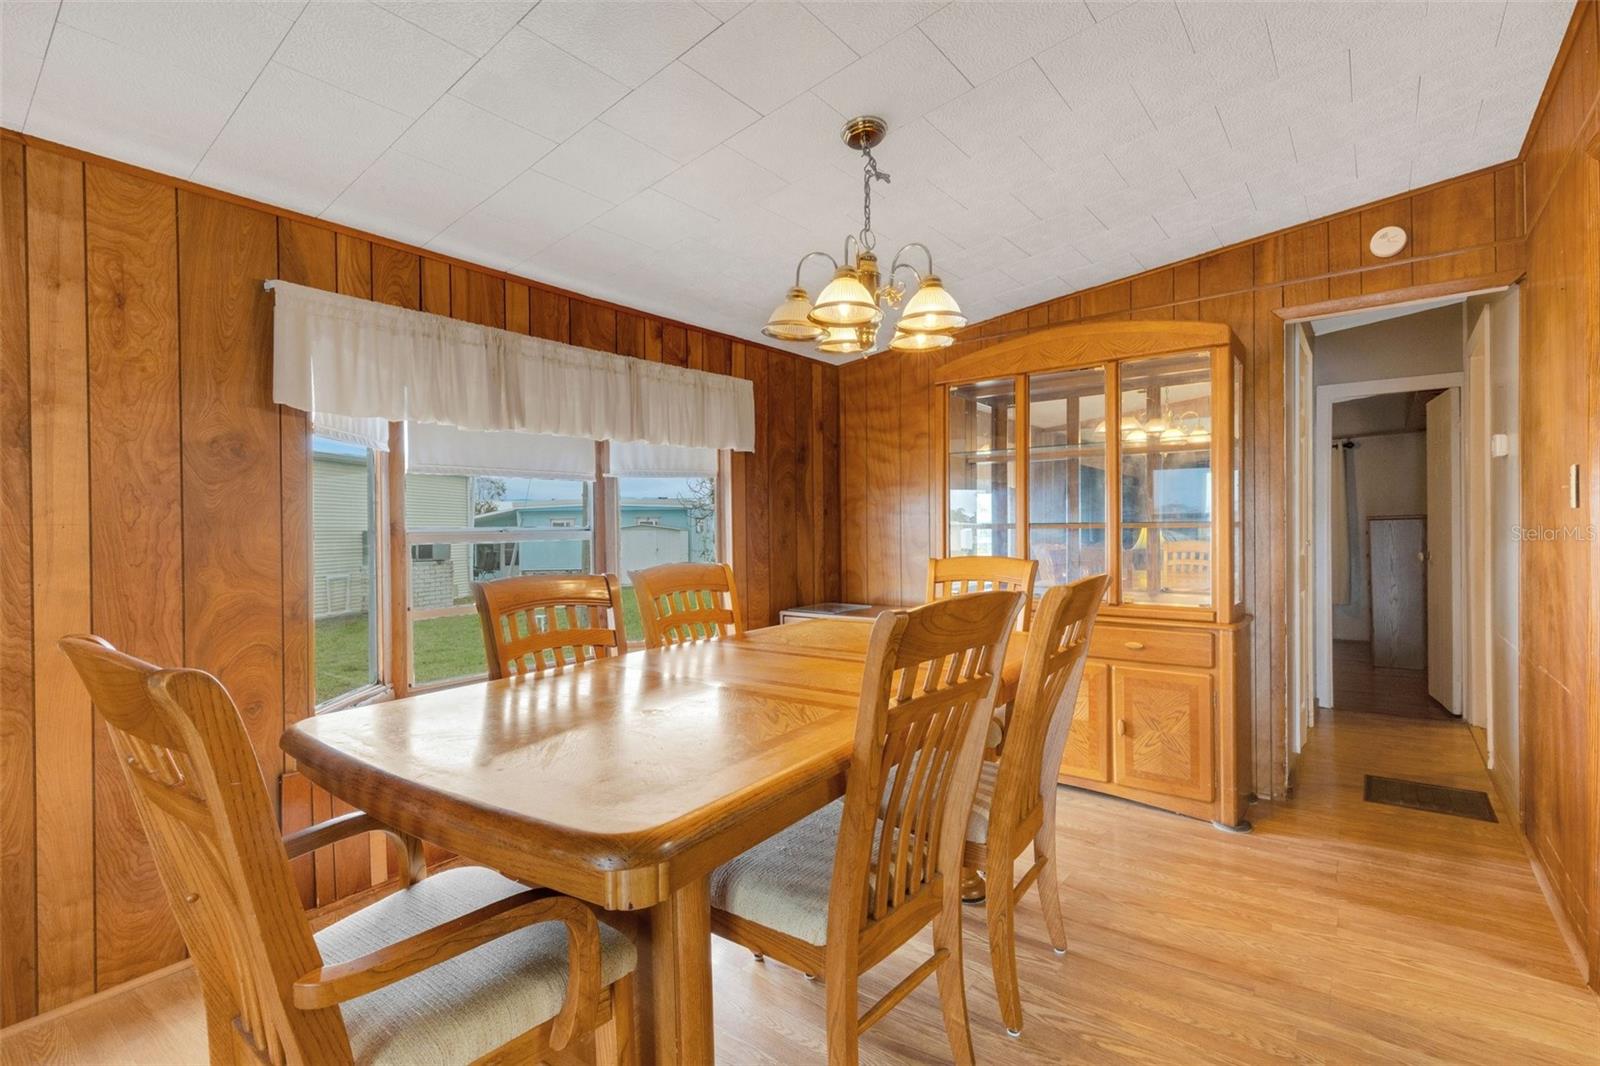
(850, 309)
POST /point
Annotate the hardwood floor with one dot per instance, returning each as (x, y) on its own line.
(1339, 931)
(1360, 686)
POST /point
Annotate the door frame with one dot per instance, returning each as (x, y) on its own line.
(1327, 396)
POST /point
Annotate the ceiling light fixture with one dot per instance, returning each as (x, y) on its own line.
(849, 310)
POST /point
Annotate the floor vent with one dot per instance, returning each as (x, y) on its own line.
(1421, 796)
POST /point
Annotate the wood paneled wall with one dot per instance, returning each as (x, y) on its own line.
(1463, 228)
(154, 494)
(1559, 649)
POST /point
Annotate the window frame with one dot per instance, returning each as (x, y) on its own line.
(378, 600)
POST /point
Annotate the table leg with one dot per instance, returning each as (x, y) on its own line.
(675, 1013)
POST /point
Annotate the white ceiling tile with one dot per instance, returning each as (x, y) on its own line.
(1304, 33)
(628, 39)
(680, 113)
(1199, 214)
(467, 140)
(899, 81)
(590, 260)
(606, 162)
(1112, 118)
(986, 39)
(723, 10)
(373, 54)
(407, 198)
(1122, 48)
(297, 141)
(1063, 230)
(720, 179)
(803, 131)
(1013, 104)
(527, 80)
(24, 32)
(1198, 135)
(970, 178)
(654, 220)
(829, 198)
(225, 42)
(531, 213)
(475, 26)
(107, 99)
(769, 53)
(971, 226)
(1129, 232)
(864, 26)
(1534, 29)
(1066, 190)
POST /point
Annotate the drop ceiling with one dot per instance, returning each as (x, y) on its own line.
(679, 157)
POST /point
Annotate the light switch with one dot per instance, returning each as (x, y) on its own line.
(1499, 445)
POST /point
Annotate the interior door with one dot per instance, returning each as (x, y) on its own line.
(1398, 594)
(1443, 415)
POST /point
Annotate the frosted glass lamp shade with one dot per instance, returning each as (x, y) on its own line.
(845, 302)
(790, 322)
(842, 340)
(920, 342)
(931, 309)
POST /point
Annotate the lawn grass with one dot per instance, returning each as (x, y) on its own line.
(441, 648)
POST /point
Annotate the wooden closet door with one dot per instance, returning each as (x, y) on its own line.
(1163, 740)
(1088, 752)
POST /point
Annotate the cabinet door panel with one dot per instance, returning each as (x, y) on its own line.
(1163, 740)
(1088, 753)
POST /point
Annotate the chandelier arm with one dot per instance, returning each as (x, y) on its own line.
(914, 244)
(801, 264)
(850, 238)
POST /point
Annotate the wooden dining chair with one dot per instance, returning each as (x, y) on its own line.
(957, 575)
(839, 891)
(391, 983)
(682, 603)
(539, 623)
(1015, 803)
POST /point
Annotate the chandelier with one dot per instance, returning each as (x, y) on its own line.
(849, 311)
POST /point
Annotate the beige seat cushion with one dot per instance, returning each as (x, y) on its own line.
(782, 882)
(461, 1009)
(978, 820)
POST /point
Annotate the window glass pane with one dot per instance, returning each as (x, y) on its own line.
(1166, 479)
(1067, 474)
(662, 520)
(344, 568)
(983, 468)
(554, 534)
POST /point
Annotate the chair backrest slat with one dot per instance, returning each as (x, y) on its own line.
(544, 623)
(200, 795)
(959, 575)
(930, 678)
(1047, 694)
(684, 603)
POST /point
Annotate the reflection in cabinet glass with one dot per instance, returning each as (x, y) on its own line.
(1165, 431)
(1067, 475)
(982, 502)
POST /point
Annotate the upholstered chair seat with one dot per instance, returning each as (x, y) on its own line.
(473, 1003)
(783, 882)
(982, 801)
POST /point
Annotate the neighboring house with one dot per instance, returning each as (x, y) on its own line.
(341, 547)
(441, 574)
(653, 531)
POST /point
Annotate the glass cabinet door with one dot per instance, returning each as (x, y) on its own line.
(1165, 432)
(1067, 489)
(982, 487)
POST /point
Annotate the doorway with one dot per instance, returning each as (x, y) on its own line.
(1392, 521)
(1399, 426)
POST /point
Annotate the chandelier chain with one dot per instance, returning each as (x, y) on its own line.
(869, 174)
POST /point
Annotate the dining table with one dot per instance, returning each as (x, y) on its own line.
(623, 782)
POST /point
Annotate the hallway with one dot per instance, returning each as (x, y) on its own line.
(1339, 931)
(1360, 686)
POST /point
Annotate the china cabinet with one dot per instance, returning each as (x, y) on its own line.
(1116, 447)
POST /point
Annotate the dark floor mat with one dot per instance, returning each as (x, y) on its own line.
(1421, 796)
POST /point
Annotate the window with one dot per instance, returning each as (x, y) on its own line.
(662, 520)
(464, 528)
(345, 597)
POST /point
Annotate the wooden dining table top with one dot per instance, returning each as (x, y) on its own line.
(617, 781)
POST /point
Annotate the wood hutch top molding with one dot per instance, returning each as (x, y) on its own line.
(1079, 344)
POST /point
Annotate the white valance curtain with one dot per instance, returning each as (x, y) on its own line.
(436, 449)
(363, 432)
(342, 356)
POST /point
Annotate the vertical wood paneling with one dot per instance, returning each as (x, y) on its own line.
(916, 416)
(18, 977)
(853, 481)
(136, 525)
(64, 736)
(232, 565)
(152, 373)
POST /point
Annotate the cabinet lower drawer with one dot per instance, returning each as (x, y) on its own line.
(1170, 647)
